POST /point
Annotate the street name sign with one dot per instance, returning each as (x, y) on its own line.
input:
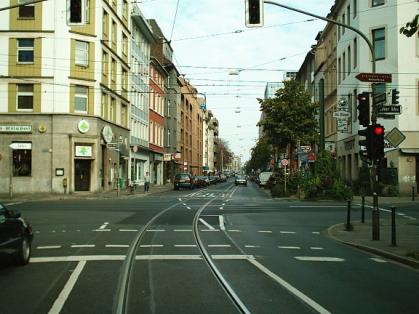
(393, 109)
(21, 146)
(112, 146)
(341, 114)
(380, 99)
(374, 77)
(395, 137)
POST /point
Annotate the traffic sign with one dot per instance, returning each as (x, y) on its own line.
(379, 99)
(21, 146)
(341, 114)
(284, 162)
(374, 77)
(112, 146)
(305, 148)
(395, 137)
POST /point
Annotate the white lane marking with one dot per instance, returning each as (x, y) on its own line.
(128, 230)
(151, 245)
(228, 201)
(219, 245)
(317, 206)
(184, 204)
(265, 231)
(223, 204)
(156, 230)
(210, 215)
(252, 246)
(233, 256)
(315, 232)
(209, 230)
(116, 245)
(99, 230)
(180, 200)
(319, 259)
(317, 307)
(221, 219)
(63, 231)
(185, 245)
(287, 232)
(410, 217)
(206, 224)
(104, 225)
(167, 257)
(289, 247)
(221, 207)
(53, 231)
(234, 230)
(316, 248)
(378, 260)
(77, 258)
(182, 230)
(188, 207)
(59, 302)
(47, 247)
(82, 245)
(401, 214)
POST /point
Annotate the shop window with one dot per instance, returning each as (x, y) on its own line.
(82, 53)
(25, 50)
(81, 98)
(22, 162)
(26, 11)
(24, 96)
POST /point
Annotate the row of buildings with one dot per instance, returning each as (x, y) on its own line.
(329, 72)
(91, 101)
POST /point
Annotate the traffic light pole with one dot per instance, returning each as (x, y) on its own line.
(374, 176)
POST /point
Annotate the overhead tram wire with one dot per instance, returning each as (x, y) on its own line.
(174, 21)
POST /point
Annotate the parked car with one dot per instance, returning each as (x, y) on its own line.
(264, 177)
(206, 180)
(223, 178)
(183, 180)
(199, 181)
(15, 236)
(240, 180)
(213, 179)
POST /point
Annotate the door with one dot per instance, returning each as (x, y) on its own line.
(82, 174)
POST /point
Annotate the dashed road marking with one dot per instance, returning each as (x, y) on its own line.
(99, 230)
(287, 232)
(316, 248)
(234, 230)
(378, 260)
(117, 245)
(319, 259)
(128, 230)
(206, 224)
(47, 247)
(210, 230)
(185, 245)
(265, 231)
(151, 245)
(104, 225)
(315, 232)
(82, 245)
(188, 207)
(252, 246)
(289, 247)
(182, 230)
(156, 230)
(219, 245)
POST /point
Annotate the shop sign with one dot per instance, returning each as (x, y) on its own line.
(176, 155)
(83, 126)
(83, 151)
(21, 146)
(13, 128)
(158, 157)
(107, 134)
(167, 157)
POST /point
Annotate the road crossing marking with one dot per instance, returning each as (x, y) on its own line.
(289, 247)
(319, 259)
(221, 219)
(47, 247)
(378, 260)
(59, 302)
(265, 231)
(104, 225)
(188, 207)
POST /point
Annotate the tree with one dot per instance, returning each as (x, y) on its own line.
(260, 156)
(411, 27)
(289, 116)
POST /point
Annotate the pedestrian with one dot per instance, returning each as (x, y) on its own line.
(146, 182)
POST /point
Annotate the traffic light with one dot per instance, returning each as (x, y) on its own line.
(377, 143)
(364, 108)
(254, 13)
(395, 96)
(365, 154)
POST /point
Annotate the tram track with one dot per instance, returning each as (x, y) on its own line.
(121, 302)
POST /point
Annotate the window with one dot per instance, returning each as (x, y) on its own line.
(113, 70)
(376, 3)
(25, 50)
(378, 38)
(103, 103)
(82, 53)
(112, 110)
(339, 69)
(124, 44)
(125, 9)
(355, 7)
(354, 106)
(113, 33)
(168, 109)
(22, 161)
(75, 11)
(27, 11)
(24, 97)
(105, 64)
(348, 14)
(124, 79)
(105, 25)
(168, 137)
(344, 65)
(123, 115)
(349, 60)
(355, 53)
(81, 98)
(343, 21)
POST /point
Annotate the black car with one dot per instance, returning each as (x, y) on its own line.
(15, 236)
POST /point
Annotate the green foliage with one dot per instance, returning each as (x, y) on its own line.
(260, 156)
(293, 183)
(289, 116)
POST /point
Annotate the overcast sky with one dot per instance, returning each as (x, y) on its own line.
(210, 40)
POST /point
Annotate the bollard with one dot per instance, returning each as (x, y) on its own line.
(375, 219)
(348, 218)
(363, 209)
(393, 226)
(413, 193)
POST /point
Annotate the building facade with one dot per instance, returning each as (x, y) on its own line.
(64, 120)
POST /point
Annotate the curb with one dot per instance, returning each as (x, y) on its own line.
(401, 259)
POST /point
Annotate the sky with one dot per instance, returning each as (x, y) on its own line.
(210, 41)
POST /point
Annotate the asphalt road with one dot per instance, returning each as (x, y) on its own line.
(273, 254)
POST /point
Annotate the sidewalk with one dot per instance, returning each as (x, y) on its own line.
(407, 238)
(389, 200)
(124, 193)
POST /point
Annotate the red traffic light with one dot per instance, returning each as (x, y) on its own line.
(378, 130)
